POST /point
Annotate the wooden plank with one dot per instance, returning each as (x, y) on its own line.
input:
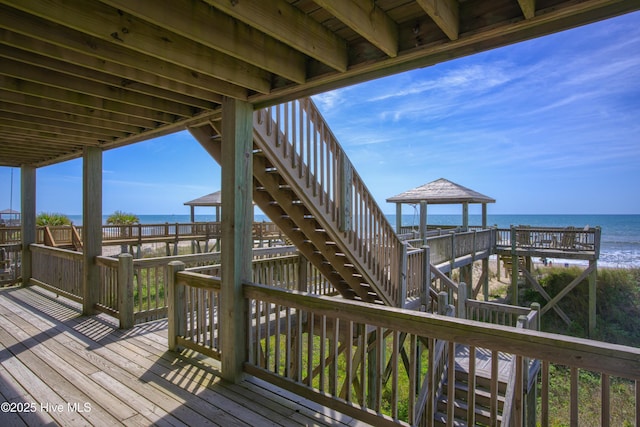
(144, 381)
(368, 20)
(445, 13)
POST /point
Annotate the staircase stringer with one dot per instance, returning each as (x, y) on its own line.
(313, 196)
(208, 137)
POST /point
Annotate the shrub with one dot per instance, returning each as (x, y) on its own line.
(46, 218)
(122, 218)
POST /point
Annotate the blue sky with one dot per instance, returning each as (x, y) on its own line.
(547, 126)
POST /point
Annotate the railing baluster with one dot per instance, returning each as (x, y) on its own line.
(605, 401)
(573, 397)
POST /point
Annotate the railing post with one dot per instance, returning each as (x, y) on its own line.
(425, 296)
(176, 305)
(302, 273)
(443, 302)
(536, 307)
(514, 268)
(125, 290)
(461, 309)
(402, 275)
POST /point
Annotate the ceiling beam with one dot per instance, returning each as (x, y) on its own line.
(445, 13)
(111, 58)
(29, 122)
(125, 74)
(368, 20)
(79, 85)
(60, 116)
(80, 99)
(286, 23)
(125, 30)
(101, 78)
(193, 20)
(528, 8)
(73, 110)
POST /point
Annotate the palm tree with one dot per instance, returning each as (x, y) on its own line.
(125, 219)
(52, 219)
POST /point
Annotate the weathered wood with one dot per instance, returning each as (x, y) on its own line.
(125, 290)
(92, 226)
(237, 147)
(28, 224)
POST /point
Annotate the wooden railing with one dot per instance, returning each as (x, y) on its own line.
(447, 248)
(58, 270)
(568, 239)
(135, 290)
(373, 362)
(319, 166)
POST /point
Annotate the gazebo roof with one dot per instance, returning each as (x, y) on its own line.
(212, 199)
(441, 191)
(9, 212)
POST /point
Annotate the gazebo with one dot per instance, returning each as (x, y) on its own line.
(9, 217)
(213, 199)
(440, 192)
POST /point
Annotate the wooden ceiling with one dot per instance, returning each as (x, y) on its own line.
(108, 73)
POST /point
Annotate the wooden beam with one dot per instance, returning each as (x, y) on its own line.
(75, 66)
(193, 20)
(91, 226)
(28, 122)
(109, 57)
(366, 19)
(60, 116)
(72, 110)
(237, 222)
(78, 84)
(28, 219)
(286, 23)
(528, 8)
(552, 303)
(120, 28)
(445, 13)
(84, 100)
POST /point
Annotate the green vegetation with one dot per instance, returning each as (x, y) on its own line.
(122, 218)
(618, 321)
(52, 219)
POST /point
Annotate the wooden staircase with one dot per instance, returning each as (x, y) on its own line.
(304, 182)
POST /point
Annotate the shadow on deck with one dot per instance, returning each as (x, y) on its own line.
(58, 367)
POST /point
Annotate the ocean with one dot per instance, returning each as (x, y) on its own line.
(620, 240)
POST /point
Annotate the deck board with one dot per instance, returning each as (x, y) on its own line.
(50, 354)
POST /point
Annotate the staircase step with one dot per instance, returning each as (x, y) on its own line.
(483, 415)
(481, 381)
(483, 397)
(440, 419)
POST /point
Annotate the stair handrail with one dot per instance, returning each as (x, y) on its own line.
(306, 142)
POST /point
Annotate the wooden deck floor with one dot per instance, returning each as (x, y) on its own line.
(58, 367)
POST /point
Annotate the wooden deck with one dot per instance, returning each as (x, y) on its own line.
(58, 367)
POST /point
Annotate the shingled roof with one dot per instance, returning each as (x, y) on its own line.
(212, 199)
(441, 191)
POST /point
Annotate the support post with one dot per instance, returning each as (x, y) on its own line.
(514, 268)
(176, 305)
(443, 302)
(237, 175)
(423, 220)
(593, 287)
(398, 218)
(461, 309)
(425, 297)
(91, 226)
(303, 273)
(125, 291)
(465, 216)
(402, 276)
(28, 211)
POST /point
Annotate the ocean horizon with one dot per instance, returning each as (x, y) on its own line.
(620, 239)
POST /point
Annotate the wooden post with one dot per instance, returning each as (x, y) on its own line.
(237, 178)
(346, 192)
(425, 296)
(465, 216)
(402, 275)
(593, 287)
(423, 219)
(91, 226)
(461, 309)
(443, 302)
(28, 211)
(125, 290)
(398, 217)
(176, 305)
(514, 268)
(302, 273)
